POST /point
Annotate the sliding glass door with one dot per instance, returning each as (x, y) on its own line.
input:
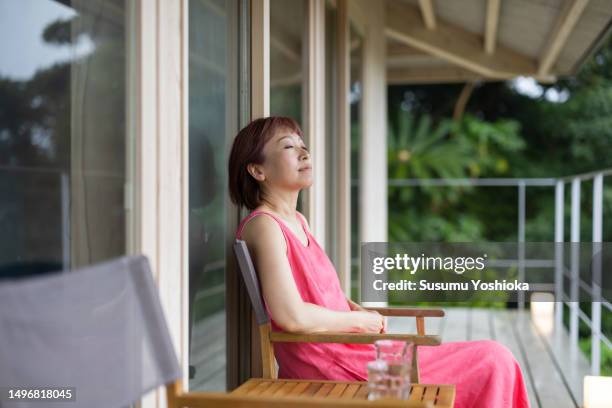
(213, 122)
(64, 153)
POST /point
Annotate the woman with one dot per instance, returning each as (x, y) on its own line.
(268, 166)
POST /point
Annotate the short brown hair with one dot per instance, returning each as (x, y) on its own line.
(248, 148)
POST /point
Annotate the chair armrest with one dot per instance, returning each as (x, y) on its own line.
(351, 338)
(407, 312)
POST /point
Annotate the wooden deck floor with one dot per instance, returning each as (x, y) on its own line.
(553, 372)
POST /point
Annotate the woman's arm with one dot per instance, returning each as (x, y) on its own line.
(268, 249)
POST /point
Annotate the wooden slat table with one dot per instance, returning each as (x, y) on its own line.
(439, 396)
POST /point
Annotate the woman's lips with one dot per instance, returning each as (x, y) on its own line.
(305, 168)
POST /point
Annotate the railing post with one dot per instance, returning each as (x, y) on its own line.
(575, 261)
(559, 238)
(596, 275)
(65, 200)
(521, 241)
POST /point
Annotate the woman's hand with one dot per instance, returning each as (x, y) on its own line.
(356, 307)
(384, 320)
(370, 322)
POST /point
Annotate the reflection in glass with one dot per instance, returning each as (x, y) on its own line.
(213, 52)
(287, 27)
(62, 134)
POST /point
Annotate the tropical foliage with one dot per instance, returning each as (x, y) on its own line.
(559, 130)
(420, 149)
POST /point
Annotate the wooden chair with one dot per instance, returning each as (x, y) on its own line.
(268, 337)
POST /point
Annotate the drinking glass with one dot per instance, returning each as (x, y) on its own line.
(398, 356)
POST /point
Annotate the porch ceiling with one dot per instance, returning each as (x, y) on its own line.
(436, 41)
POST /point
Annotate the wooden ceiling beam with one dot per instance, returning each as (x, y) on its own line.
(567, 19)
(456, 45)
(429, 75)
(491, 24)
(429, 15)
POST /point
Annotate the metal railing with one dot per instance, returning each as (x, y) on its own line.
(594, 323)
(561, 271)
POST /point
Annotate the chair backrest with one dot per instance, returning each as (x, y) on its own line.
(99, 330)
(251, 281)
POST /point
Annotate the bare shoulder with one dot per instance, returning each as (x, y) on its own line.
(263, 232)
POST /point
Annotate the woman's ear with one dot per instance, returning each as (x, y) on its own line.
(256, 171)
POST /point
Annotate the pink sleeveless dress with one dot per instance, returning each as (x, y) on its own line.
(485, 372)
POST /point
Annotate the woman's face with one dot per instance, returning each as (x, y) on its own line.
(287, 163)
